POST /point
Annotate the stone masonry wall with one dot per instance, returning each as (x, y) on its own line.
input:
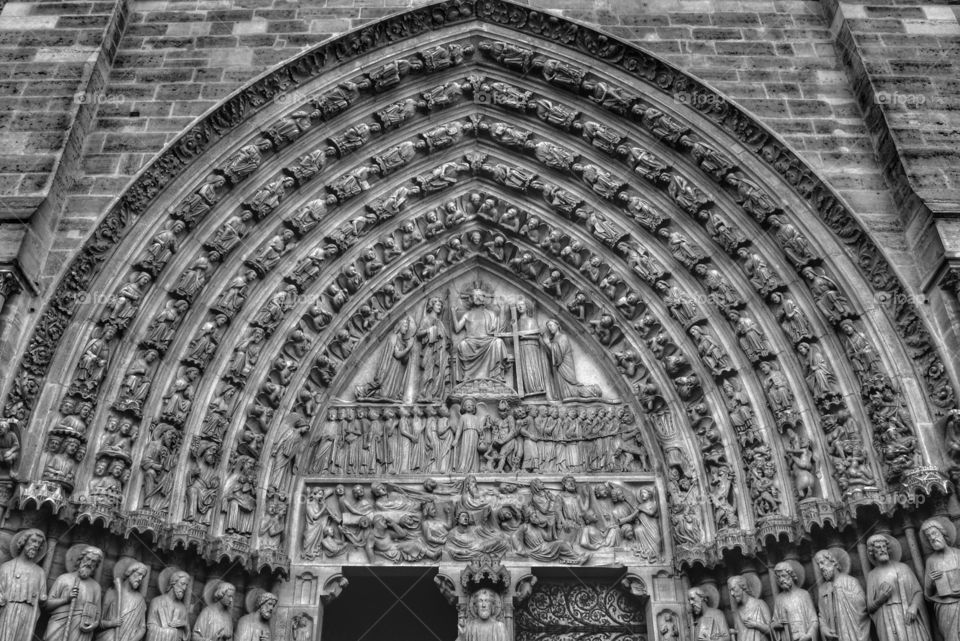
(784, 60)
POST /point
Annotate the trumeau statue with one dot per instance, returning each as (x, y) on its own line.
(74, 599)
(485, 618)
(167, 615)
(941, 576)
(124, 607)
(793, 611)
(841, 599)
(894, 596)
(23, 586)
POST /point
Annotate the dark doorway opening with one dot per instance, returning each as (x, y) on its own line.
(390, 604)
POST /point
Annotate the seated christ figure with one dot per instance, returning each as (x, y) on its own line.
(481, 352)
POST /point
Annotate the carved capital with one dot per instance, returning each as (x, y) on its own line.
(10, 284)
(950, 279)
(333, 587)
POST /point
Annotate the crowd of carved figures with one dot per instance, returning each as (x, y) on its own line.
(558, 261)
(425, 439)
(568, 522)
(78, 608)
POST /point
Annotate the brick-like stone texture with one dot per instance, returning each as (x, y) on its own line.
(781, 59)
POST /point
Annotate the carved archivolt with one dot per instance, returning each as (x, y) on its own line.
(292, 294)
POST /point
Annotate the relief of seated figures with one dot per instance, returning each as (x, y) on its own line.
(566, 521)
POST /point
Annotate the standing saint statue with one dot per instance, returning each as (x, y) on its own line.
(843, 605)
(215, 622)
(255, 626)
(467, 438)
(531, 365)
(485, 618)
(124, 607)
(560, 352)
(167, 616)
(74, 601)
(23, 586)
(751, 616)
(481, 354)
(393, 368)
(434, 358)
(793, 611)
(708, 621)
(941, 576)
(894, 595)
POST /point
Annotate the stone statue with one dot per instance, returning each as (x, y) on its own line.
(560, 353)
(941, 576)
(215, 622)
(74, 600)
(434, 360)
(793, 611)
(167, 615)
(393, 368)
(481, 353)
(485, 618)
(751, 616)
(23, 586)
(843, 605)
(255, 626)
(467, 438)
(124, 607)
(708, 621)
(894, 596)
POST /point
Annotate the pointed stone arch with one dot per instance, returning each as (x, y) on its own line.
(291, 140)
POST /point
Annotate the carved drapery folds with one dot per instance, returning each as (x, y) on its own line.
(307, 306)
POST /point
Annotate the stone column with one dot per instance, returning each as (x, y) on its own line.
(665, 599)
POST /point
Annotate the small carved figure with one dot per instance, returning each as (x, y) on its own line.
(833, 304)
(268, 197)
(245, 161)
(192, 280)
(228, 235)
(308, 216)
(161, 249)
(192, 209)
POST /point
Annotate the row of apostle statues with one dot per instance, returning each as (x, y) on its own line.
(414, 439)
(892, 603)
(78, 610)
